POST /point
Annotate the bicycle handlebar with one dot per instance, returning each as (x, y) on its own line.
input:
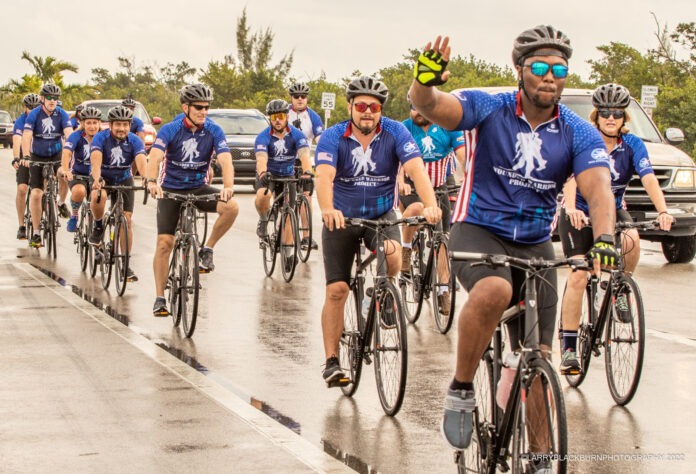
(190, 197)
(531, 264)
(357, 222)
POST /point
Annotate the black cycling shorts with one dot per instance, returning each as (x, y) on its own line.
(472, 238)
(22, 175)
(168, 209)
(579, 242)
(276, 188)
(87, 184)
(442, 201)
(36, 179)
(340, 246)
(128, 196)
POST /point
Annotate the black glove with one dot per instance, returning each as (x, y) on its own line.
(264, 179)
(429, 68)
(307, 181)
(604, 251)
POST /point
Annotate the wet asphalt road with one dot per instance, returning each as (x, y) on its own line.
(261, 337)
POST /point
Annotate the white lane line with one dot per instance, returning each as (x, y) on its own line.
(671, 337)
(281, 436)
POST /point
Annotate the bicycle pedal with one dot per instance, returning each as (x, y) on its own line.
(367, 359)
(203, 270)
(341, 382)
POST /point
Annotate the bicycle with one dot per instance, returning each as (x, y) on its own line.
(28, 224)
(84, 230)
(113, 252)
(303, 210)
(49, 208)
(601, 327)
(281, 227)
(182, 288)
(381, 333)
(537, 434)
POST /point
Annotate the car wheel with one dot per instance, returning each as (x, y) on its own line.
(679, 249)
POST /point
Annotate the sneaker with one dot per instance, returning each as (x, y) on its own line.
(64, 211)
(444, 301)
(130, 275)
(206, 264)
(305, 243)
(72, 224)
(159, 310)
(387, 313)
(406, 261)
(22, 233)
(622, 310)
(569, 363)
(333, 375)
(35, 241)
(95, 238)
(315, 245)
(261, 228)
(457, 423)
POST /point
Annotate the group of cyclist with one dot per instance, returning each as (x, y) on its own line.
(527, 149)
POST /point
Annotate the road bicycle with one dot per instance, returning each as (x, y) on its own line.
(602, 327)
(49, 208)
(84, 230)
(378, 334)
(182, 287)
(534, 416)
(303, 210)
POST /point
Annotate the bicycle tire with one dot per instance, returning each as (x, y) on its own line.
(390, 372)
(288, 252)
(529, 426)
(82, 238)
(443, 321)
(411, 285)
(584, 340)
(44, 226)
(121, 257)
(53, 226)
(28, 224)
(171, 289)
(350, 356)
(188, 289)
(304, 210)
(625, 342)
(201, 227)
(107, 261)
(269, 244)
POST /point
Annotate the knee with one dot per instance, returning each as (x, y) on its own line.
(164, 245)
(576, 281)
(337, 292)
(231, 208)
(491, 295)
(415, 209)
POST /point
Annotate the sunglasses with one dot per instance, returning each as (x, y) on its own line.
(362, 107)
(200, 107)
(606, 113)
(540, 69)
(278, 116)
(299, 96)
(52, 97)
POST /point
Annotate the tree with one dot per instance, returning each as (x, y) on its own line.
(49, 68)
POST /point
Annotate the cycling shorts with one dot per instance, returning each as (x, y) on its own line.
(36, 179)
(128, 196)
(81, 182)
(579, 242)
(442, 201)
(276, 188)
(168, 209)
(22, 174)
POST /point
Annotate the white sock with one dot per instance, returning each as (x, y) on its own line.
(406, 245)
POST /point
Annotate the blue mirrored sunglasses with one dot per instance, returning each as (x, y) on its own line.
(540, 69)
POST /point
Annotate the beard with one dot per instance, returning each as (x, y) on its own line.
(421, 121)
(279, 129)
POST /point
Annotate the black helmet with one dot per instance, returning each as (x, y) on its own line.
(128, 102)
(31, 101)
(366, 85)
(195, 93)
(50, 89)
(120, 114)
(540, 37)
(277, 106)
(91, 113)
(299, 88)
(78, 109)
(612, 96)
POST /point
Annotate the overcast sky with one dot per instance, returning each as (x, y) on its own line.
(336, 37)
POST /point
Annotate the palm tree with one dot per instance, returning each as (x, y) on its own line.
(48, 68)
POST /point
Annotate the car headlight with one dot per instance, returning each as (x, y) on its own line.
(684, 179)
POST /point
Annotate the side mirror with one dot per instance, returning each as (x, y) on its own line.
(156, 120)
(674, 135)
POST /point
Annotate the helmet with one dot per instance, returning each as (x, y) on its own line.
(78, 109)
(128, 102)
(366, 85)
(92, 113)
(195, 93)
(31, 101)
(539, 37)
(298, 88)
(611, 96)
(50, 89)
(120, 113)
(277, 106)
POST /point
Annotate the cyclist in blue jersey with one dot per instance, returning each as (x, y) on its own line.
(627, 155)
(30, 102)
(277, 148)
(303, 117)
(112, 154)
(137, 125)
(185, 147)
(42, 142)
(75, 119)
(357, 165)
(76, 160)
(527, 147)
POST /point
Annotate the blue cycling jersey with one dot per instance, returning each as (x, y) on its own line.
(80, 149)
(137, 125)
(628, 156)
(19, 125)
(117, 155)
(435, 143)
(365, 182)
(188, 153)
(74, 122)
(517, 172)
(47, 130)
(282, 152)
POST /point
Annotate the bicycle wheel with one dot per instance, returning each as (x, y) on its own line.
(390, 350)
(269, 244)
(27, 217)
(474, 458)
(201, 227)
(349, 353)
(288, 251)
(411, 284)
(188, 288)
(304, 221)
(540, 431)
(171, 290)
(443, 288)
(121, 255)
(53, 226)
(625, 344)
(106, 264)
(82, 237)
(584, 341)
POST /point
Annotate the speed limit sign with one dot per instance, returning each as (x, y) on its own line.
(328, 100)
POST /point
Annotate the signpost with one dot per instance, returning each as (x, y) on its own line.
(328, 103)
(648, 98)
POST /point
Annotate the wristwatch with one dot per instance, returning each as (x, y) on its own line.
(605, 239)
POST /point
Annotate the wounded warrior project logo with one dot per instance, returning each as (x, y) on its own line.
(117, 158)
(527, 160)
(47, 126)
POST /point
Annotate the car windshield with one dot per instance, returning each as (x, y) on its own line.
(234, 124)
(105, 106)
(640, 125)
(5, 117)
